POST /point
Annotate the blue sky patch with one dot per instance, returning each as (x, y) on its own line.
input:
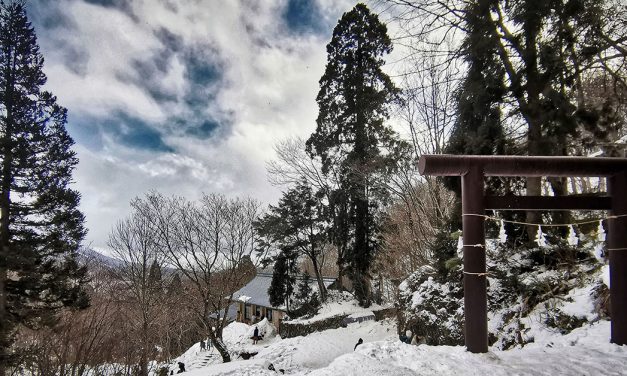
(104, 3)
(303, 16)
(135, 133)
(148, 75)
(46, 15)
(85, 131)
(122, 5)
(121, 128)
(201, 69)
(170, 40)
(203, 74)
(203, 130)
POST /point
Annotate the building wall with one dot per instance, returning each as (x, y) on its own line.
(252, 309)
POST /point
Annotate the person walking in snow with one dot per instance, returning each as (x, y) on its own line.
(255, 335)
(202, 345)
(358, 343)
(181, 367)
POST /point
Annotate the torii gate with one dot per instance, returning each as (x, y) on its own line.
(473, 168)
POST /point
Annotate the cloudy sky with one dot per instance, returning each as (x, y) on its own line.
(182, 97)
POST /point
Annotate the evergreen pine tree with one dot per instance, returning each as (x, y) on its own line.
(155, 280)
(303, 294)
(351, 137)
(176, 285)
(40, 224)
(282, 284)
(305, 298)
(479, 129)
(154, 273)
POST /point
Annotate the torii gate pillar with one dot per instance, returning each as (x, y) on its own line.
(617, 245)
(475, 289)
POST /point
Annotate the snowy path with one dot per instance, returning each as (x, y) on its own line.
(318, 350)
(299, 355)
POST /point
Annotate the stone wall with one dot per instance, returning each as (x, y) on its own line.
(289, 329)
(294, 329)
(385, 313)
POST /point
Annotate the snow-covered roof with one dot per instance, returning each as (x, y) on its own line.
(256, 291)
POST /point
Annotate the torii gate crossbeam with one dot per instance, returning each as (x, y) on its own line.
(474, 168)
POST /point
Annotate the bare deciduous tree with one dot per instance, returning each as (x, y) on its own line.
(421, 204)
(210, 244)
(133, 242)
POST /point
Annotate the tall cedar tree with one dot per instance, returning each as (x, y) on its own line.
(478, 128)
(40, 224)
(298, 225)
(350, 136)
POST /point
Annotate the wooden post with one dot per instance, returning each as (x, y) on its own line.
(617, 245)
(475, 294)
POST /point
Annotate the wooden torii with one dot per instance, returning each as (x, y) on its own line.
(474, 168)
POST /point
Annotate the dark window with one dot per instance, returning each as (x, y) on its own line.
(269, 314)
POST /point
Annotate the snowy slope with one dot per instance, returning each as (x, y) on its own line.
(585, 351)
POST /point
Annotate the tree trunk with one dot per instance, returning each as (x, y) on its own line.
(533, 189)
(532, 113)
(321, 288)
(5, 205)
(359, 195)
(220, 346)
(215, 333)
(4, 326)
(143, 361)
(560, 188)
(340, 243)
(361, 252)
(340, 277)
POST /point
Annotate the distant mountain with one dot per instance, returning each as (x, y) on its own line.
(90, 255)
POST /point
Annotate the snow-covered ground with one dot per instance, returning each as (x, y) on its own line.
(584, 351)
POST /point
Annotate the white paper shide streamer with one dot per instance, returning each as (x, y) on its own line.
(502, 234)
(600, 232)
(540, 239)
(573, 240)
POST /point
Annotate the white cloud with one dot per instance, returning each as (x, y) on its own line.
(109, 41)
(267, 89)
